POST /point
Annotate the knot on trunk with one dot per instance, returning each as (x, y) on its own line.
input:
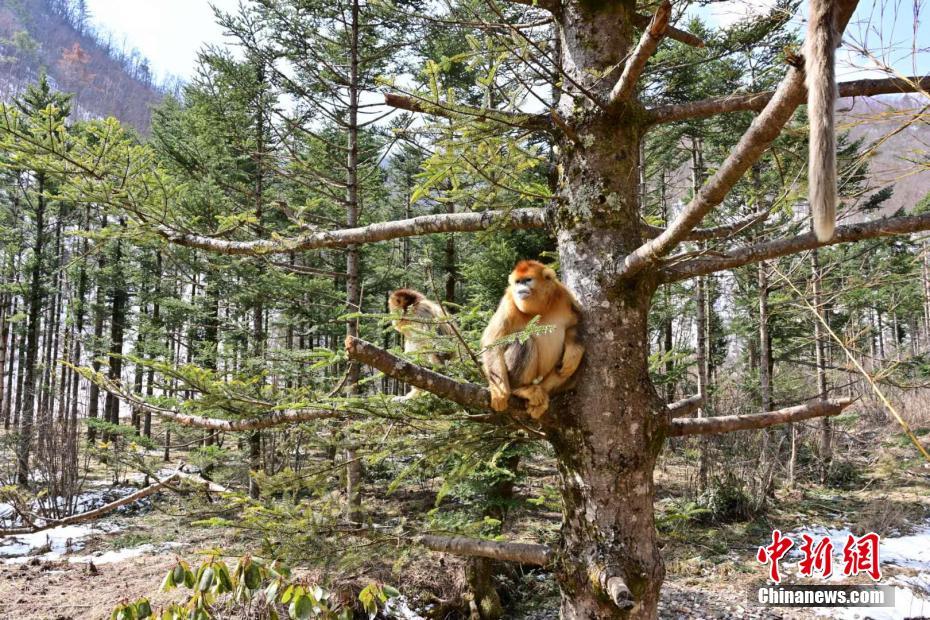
(609, 583)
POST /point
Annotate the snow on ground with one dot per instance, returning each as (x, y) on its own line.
(399, 609)
(119, 555)
(52, 543)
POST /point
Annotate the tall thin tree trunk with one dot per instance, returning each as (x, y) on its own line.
(36, 300)
(353, 292)
(93, 392)
(826, 429)
(117, 329)
(156, 324)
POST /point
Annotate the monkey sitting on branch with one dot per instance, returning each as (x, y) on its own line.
(420, 322)
(820, 68)
(542, 363)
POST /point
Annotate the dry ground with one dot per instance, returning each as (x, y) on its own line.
(711, 568)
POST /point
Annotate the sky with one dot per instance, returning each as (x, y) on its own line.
(169, 32)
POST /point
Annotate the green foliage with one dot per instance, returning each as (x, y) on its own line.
(262, 587)
(727, 500)
(678, 514)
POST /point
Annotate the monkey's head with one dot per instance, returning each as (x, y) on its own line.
(403, 298)
(531, 286)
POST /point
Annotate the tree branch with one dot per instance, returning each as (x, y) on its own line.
(685, 407)
(382, 231)
(465, 394)
(764, 129)
(643, 21)
(717, 232)
(524, 553)
(547, 5)
(730, 423)
(757, 101)
(90, 515)
(783, 247)
(274, 418)
(648, 42)
(536, 122)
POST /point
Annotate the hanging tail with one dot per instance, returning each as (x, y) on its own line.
(820, 63)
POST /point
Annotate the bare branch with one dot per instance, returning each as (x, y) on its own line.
(685, 407)
(757, 101)
(783, 247)
(643, 21)
(466, 394)
(538, 122)
(547, 5)
(764, 129)
(524, 553)
(382, 231)
(90, 515)
(273, 418)
(648, 42)
(717, 232)
(730, 423)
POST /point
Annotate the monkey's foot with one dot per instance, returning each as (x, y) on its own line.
(499, 400)
(537, 400)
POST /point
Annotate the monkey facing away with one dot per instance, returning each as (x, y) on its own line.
(820, 67)
(544, 362)
(424, 320)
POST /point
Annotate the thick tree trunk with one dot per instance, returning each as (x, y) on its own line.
(608, 432)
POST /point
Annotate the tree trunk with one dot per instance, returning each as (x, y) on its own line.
(93, 395)
(353, 292)
(117, 325)
(826, 429)
(608, 432)
(702, 318)
(156, 324)
(36, 299)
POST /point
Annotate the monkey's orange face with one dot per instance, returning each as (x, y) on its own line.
(530, 285)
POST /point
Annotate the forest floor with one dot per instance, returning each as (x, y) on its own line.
(882, 486)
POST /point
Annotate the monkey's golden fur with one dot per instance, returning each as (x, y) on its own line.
(545, 362)
(425, 318)
(819, 58)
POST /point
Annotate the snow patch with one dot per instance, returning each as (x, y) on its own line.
(49, 544)
(398, 608)
(120, 555)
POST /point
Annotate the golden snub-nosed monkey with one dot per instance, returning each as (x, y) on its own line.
(544, 362)
(421, 319)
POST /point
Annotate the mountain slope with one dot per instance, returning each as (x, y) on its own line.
(52, 35)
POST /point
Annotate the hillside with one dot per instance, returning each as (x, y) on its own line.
(52, 35)
(901, 137)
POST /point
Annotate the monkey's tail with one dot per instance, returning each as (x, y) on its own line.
(822, 41)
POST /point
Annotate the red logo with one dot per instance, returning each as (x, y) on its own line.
(860, 555)
(774, 552)
(817, 557)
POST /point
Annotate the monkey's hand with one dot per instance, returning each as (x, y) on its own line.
(499, 397)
